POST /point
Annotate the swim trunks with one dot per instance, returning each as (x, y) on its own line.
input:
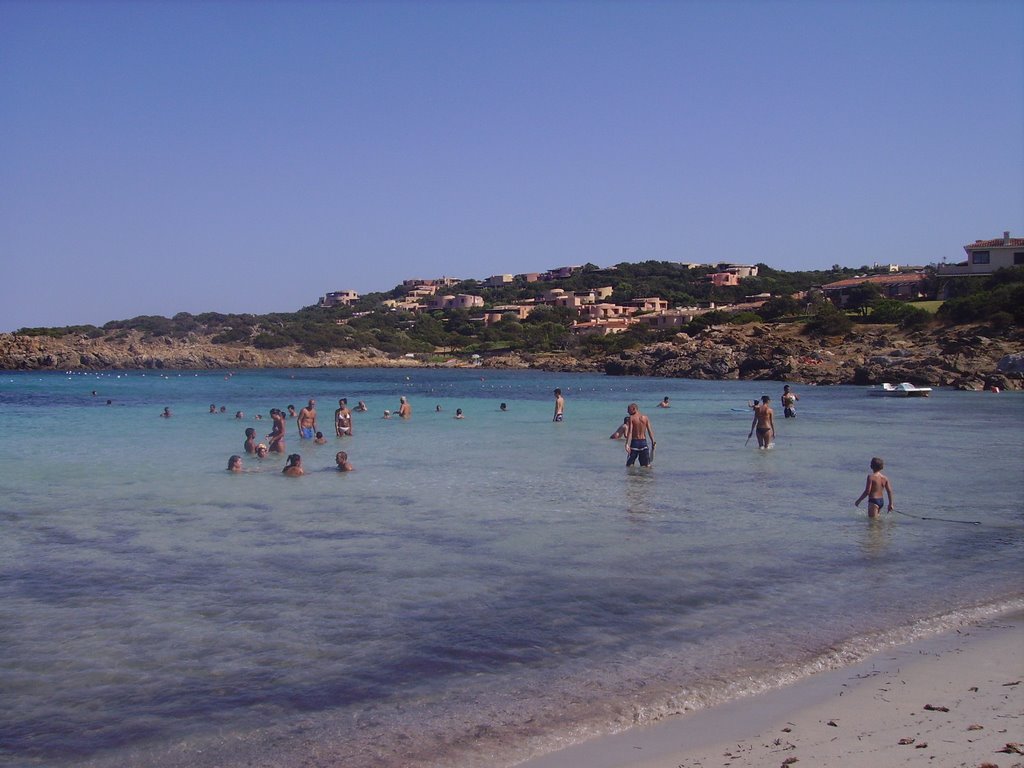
(306, 433)
(638, 449)
(790, 413)
(763, 430)
(877, 502)
(558, 417)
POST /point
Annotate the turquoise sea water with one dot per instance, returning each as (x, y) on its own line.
(478, 590)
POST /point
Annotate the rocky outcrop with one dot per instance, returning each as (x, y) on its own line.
(133, 351)
(965, 357)
(961, 358)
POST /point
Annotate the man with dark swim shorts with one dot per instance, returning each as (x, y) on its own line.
(637, 431)
(559, 406)
(789, 402)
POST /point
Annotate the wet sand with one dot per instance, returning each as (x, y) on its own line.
(956, 699)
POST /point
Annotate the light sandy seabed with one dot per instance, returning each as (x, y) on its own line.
(853, 717)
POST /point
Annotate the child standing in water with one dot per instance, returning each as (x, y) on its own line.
(876, 484)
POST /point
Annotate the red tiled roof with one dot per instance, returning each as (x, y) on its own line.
(1014, 242)
(911, 277)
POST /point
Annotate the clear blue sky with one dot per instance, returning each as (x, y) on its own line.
(159, 157)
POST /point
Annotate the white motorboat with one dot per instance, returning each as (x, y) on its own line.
(906, 389)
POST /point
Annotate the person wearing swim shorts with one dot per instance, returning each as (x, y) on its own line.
(638, 429)
(764, 423)
(789, 402)
(877, 484)
(307, 421)
(559, 406)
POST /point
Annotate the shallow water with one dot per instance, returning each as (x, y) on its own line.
(478, 590)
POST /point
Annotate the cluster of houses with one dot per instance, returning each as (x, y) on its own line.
(596, 315)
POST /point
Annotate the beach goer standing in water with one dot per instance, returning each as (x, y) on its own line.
(249, 446)
(343, 419)
(638, 429)
(275, 440)
(307, 421)
(876, 484)
(764, 423)
(559, 406)
(789, 402)
(404, 409)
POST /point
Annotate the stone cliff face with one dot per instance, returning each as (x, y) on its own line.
(132, 351)
(959, 357)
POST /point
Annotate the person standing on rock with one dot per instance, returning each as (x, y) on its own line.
(789, 402)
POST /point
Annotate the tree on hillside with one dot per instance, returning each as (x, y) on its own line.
(861, 297)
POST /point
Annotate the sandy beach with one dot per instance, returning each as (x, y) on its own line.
(956, 699)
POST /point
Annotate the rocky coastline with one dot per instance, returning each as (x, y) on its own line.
(965, 357)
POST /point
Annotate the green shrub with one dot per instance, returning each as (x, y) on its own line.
(742, 318)
(271, 341)
(230, 335)
(914, 318)
(828, 321)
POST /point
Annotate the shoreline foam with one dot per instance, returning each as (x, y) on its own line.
(855, 715)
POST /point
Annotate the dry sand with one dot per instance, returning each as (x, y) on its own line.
(952, 700)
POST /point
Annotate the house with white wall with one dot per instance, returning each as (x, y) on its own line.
(986, 256)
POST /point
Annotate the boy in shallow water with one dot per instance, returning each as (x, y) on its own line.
(876, 485)
(294, 466)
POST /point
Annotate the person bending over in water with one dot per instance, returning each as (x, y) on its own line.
(620, 433)
(341, 459)
(764, 423)
(876, 484)
(294, 466)
(638, 429)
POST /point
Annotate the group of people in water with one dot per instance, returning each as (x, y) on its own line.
(306, 424)
(636, 431)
